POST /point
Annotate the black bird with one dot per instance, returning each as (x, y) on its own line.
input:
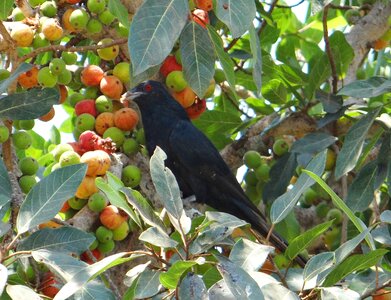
(194, 160)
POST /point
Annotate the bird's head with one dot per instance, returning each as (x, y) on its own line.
(153, 95)
(146, 92)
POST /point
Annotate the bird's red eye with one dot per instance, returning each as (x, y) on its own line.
(147, 88)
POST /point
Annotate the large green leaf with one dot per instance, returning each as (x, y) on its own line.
(3, 277)
(119, 10)
(249, 255)
(111, 190)
(192, 288)
(313, 143)
(21, 292)
(28, 105)
(318, 264)
(167, 188)
(225, 60)
(238, 15)
(63, 239)
(155, 28)
(353, 144)
(197, 57)
(171, 278)
(284, 204)
(145, 210)
(239, 282)
(302, 241)
(361, 191)
(5, 185)
(354, 263)
(342, 52)
(148, 284)
(318, 74)
(367, 88)
(46, 198)
(23, 67)
(257, 56)
(81, 278)
(66, 266)
(339, 203)
(5, 8)
(212, 121)
(157, 237)
(280, 176)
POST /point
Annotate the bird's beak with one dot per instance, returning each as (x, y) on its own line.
(130, 96)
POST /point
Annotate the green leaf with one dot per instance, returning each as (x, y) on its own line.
(284, 204)
(386, 216)
(220, 227)
(21, 292)
(339, 203)
(155, 28)
(302, 241)
(171, 278)
(331, 103)
(318, 74)
(81, 278)
(237, 15)
(3, 277)
(148, 284)
(354, 263)
(66, 266)
(212, 121)
(361, 191)
(192, 288)
(168, 190)
(28, 105)
(353, 144)
(5, 185)
(147, 74)
(280, 176)
(318, 264)
(111, 190)
(165, 184)
(239, 282)
(313, 143)
(95, 290)
(46, 198)
(120, 11)
(367, 88)
(23, 67)
(342, 52)
(55, 136)
(5, 9)
(158, 238)
(145, 210)
(225, 60)
(275, 91)
(63, 239)
(197, 57)
(249, 255)
(257, 56)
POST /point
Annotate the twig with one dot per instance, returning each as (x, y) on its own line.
(72, 49)
(288, 6)
(328, 50)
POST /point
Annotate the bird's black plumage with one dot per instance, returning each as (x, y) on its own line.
(195, 162)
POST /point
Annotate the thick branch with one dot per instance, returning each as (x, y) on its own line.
(367, 30)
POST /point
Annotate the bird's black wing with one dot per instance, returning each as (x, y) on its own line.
(194, 159)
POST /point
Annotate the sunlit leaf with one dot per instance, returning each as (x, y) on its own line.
(28, 105)
(197, 57)
(47, 197)
(155, 28)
